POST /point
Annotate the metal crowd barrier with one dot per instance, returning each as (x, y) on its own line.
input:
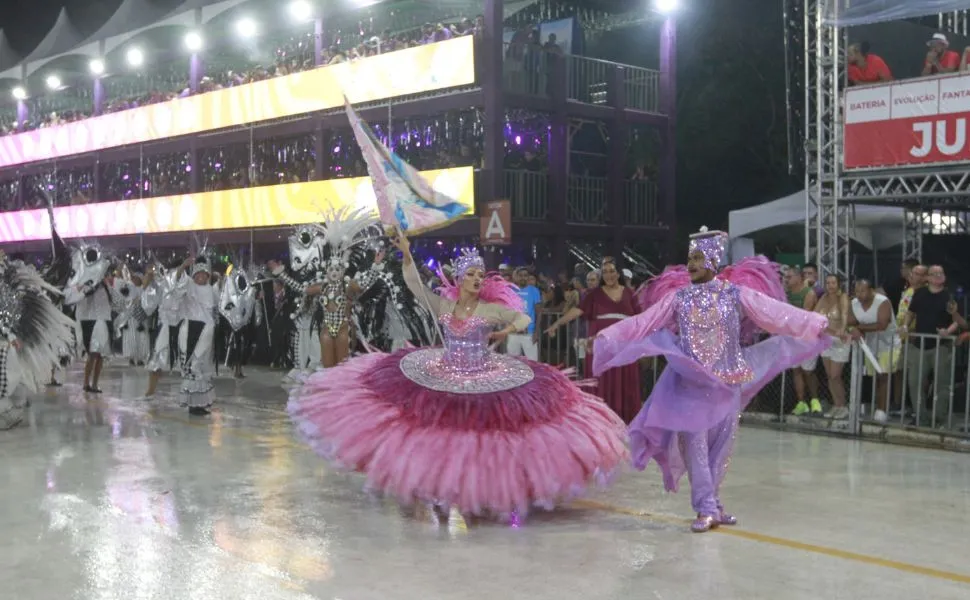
(922, 368)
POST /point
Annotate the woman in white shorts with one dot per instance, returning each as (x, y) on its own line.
(834, 304)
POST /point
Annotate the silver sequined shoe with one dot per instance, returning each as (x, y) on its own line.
(704, 523)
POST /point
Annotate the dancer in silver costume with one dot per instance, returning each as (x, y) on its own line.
(157, 296)
(91, 290)
(237, 305)
(306, 251)
(32, 332)
(198, 302)
(131, 324)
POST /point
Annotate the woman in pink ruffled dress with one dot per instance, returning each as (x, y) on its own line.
(461, 425)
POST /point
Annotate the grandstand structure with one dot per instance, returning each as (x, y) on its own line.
(485, 73)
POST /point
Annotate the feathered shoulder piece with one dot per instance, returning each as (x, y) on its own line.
(28, 316)
(653, 290)
(756, 273)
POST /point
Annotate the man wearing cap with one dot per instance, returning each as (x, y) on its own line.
(940, 59)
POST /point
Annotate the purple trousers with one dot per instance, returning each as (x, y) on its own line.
(707, 455)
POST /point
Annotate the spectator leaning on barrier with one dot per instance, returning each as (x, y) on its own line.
(835, 306)
(940, 59)
(871, 320)
(801, 294)
(932, 313)
(917, 279)
(864, 67)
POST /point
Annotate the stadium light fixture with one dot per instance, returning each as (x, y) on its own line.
(300, 10)
(53, 82)
(96, 66)
(193, 41)
(667, 6)
(135, 57)
(19, 93)
(246, 27)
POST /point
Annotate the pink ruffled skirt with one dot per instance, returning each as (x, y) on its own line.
(537, 444)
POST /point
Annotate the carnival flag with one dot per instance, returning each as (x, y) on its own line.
(404, 198)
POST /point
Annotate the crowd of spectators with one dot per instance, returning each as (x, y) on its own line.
(913, 331)
(290, 56)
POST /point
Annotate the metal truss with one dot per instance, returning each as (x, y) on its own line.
(935, 201)
(827, 220)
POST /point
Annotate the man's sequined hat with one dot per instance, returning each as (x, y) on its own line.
(468, 259)
(712, 244)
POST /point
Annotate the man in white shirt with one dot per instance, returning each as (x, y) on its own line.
(93, 312)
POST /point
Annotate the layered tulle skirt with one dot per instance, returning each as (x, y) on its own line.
(689, 398)
(484, 452)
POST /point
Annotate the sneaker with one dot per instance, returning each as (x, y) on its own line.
(880, 416)
(840, 413)
(800, 409)
(815, 406)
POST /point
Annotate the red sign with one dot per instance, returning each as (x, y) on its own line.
(907, 123)
(496, 223)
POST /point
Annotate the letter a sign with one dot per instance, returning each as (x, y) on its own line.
(496, 228)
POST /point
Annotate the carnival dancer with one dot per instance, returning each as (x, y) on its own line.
(691, 417)
(198, 302)
(158, 298)
(131, 324)
(33, 331)
(91, 290)
(304, 323)
(343, 277)
(237, 305)
(461, 425)
(56, 274)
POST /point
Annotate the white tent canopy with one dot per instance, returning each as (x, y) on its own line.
(864, 12)
(875, 227)
(62, 37)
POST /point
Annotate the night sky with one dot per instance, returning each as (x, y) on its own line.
(732, 143)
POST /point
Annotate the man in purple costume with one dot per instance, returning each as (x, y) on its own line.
(697, 319)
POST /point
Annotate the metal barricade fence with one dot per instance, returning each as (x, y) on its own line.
(924, 367)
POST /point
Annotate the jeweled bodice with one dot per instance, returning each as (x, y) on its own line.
(465, 342)
(709, 319)
(465, 365)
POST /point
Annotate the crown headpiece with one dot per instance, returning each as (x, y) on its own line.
(712, 244)
(468, 259)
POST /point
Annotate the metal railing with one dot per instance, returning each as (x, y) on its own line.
(919, 394)
(641, 202)
(529, 70)
(880, 403)
(528, 191)
(586, 200)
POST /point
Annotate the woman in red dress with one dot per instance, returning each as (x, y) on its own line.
(612, 301)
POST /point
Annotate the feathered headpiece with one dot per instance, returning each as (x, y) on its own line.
(346, 232)
(712, 244)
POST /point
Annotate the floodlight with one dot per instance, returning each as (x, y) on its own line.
(19, 93)
(246, 27)
(96, 66)
(53, 82)
(300, 10)
(135, 57)
(193, 41)
(667, 6)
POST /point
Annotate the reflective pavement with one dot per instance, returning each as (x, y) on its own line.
(116, 498)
